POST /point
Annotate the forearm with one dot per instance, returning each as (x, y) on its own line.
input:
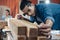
(49, 22)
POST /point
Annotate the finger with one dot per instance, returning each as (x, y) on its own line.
(46, 34)
(44, 26)
(45, 30)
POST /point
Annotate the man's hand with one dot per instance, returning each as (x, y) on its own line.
(45, 29)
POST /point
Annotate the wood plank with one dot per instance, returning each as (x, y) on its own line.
(42, 38)
(15, 24)
(22, 37)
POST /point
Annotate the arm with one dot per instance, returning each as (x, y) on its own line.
(49, 22)
(48, 19)
(45, 28)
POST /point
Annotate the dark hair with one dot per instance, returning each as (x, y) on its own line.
(8, 11)
(24, 3)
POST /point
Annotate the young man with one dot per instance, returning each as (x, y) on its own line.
(7, 15)
(40, 14)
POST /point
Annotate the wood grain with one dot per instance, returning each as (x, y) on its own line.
(32, 29)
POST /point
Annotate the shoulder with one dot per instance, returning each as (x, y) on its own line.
(40, 5)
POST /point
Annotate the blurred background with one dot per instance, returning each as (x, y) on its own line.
(14, 7)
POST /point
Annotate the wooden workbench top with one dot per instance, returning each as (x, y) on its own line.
(23, 23)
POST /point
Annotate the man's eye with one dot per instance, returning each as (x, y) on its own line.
(25, 14)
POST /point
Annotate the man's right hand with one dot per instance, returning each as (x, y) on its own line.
(44, 29)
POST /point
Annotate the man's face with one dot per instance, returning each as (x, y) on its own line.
(29, 10)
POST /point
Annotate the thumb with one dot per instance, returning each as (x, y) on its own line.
(40, 25)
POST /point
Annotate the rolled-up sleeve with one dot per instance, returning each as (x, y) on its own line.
(51, 18)
(48, 14)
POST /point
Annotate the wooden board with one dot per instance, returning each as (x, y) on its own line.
(15, 24)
